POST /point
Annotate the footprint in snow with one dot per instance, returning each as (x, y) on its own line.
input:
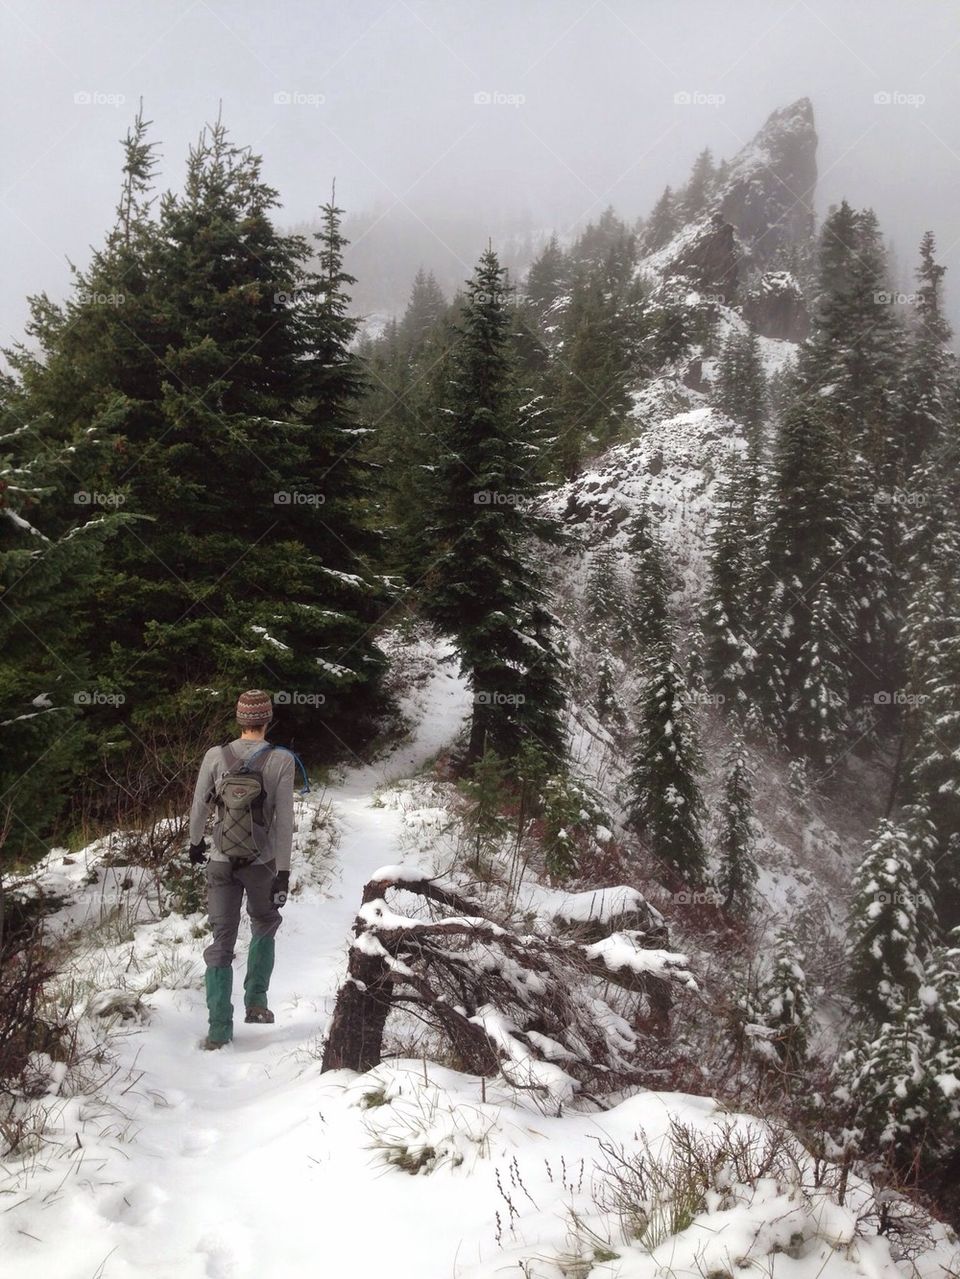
(225, 1258)
(137, 1205)
(197, 1140)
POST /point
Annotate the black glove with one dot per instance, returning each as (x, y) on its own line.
(280, 888)
(198, 852)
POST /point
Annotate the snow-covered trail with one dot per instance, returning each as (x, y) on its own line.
(246, 1161)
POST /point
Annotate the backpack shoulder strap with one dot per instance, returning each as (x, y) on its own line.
(230, 758)
(297, 763)
(267, 746)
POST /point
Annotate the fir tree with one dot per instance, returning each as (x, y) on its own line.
(694, 197)
(740, 386)
(601, 338)
(45, 678)
(737, 873)
(405, 392)
(852, 365)
(606, 700)
(900, 1086)
(804, 650)
(890, 918)
(666, 806)
(650, 619)
(547, 280)
(930, 367)
(932, 727)
(425, 309)
(734, 606)
(485, 787)
(663, 223)
(483, 586)
(786, 1004)
(225, 376)
(604, 594)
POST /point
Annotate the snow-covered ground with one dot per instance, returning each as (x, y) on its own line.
(181, 1164)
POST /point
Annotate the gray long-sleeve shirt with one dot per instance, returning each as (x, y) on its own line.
(278, 774)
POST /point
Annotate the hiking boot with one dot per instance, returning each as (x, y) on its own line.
(262, 1016)
(208, 1044)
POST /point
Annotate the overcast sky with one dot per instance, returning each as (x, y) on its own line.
(381, 94)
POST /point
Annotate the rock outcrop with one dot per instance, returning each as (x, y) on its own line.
(767, 192)
(759, 211)
(775, 308)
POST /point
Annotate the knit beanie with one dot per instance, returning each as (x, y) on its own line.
(254, 707)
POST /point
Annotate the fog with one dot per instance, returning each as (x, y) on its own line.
(445, 121)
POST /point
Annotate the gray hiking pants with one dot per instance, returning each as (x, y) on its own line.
(226, 885)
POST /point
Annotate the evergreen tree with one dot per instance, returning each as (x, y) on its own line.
(804, 651)
(650, 618)
(601, 337)
(607, 248)
(547, 281)
(483, 586)
(901, 1085)
(405, 394)
(786, 1006)
(932, 728)
(45, 679)
(486, 825)
(425, 309)
(225, 376)
(562, 806)
(666, 806)
(930, 367)
(695, 195)
(852, 358)
(604, 594)
(737, 873)
(740, 386)
(606, 700)
(891, 918)
(663, 223)
(852, 365)
(735, 605)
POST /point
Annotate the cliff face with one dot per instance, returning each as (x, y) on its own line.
(767, 194)
(759, 208)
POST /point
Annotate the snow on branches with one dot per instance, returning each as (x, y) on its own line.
(547, 1011)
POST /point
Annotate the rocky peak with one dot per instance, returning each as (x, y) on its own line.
(767, 192)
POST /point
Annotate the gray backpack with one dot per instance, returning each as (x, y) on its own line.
(239, 794)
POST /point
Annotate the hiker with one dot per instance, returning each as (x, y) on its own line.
(250, 783)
